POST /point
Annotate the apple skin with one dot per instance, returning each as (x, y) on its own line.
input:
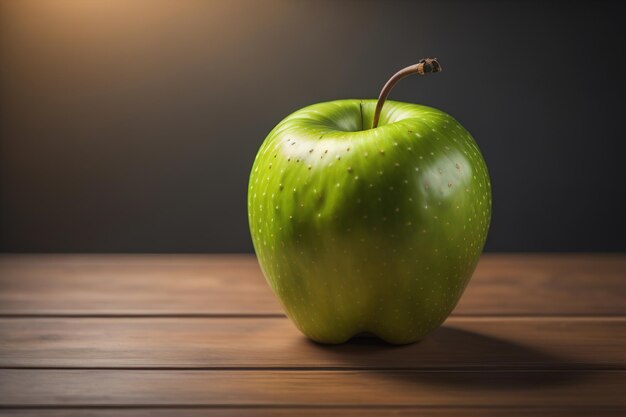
(374, 231)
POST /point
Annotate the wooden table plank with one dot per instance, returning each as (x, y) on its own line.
(133, 284)
(533, 335)
(464, 342)
(574, 284)
(318, 388)
(320, 412)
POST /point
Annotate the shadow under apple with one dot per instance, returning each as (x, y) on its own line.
(454, 356)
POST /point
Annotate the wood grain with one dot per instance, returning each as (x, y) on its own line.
(133, 284)
(573, 284)
(319, 388)
(193, 335)
(463, 343)
(321, 412)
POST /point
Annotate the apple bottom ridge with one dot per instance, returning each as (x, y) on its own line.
(367, 337)
(394, 334)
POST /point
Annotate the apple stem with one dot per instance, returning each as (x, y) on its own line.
(425, 66)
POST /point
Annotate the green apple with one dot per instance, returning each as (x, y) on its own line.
(362, 230)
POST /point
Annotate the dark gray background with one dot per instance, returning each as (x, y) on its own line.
(131, 126)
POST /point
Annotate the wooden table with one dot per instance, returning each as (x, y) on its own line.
(192, 335)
